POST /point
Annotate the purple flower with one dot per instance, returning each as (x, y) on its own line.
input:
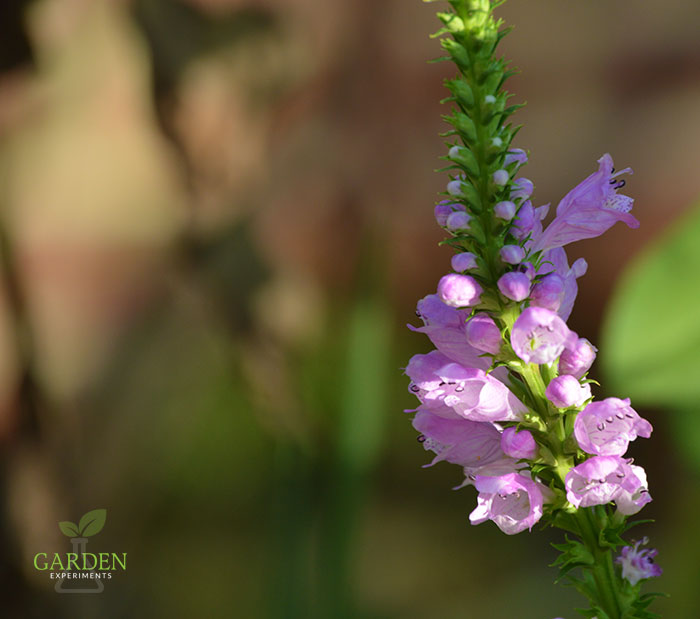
(629, 503)
(525, 221)
(548, 292)
(445, 327)
(606, 428)
(458, 221)
(450, 390)
(444, 209)
(602, 479)
(512, 254)
(555, 262)
(522, 188)
(518, 444)
(500, 177)
(505, 210)
(515, 154)
(468, 443)
(578, 358)
(566, 391)
(459, 290)
(638, 564)
(463, 262)
(589, 209)
(513, 502)
(478, 396)
(483, 334)
(514, 285)
(539, 335)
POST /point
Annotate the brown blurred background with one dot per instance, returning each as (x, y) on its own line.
(216, 218)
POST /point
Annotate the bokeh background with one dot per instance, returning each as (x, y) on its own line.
(216, 219)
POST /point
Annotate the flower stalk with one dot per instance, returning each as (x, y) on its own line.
(505, 394)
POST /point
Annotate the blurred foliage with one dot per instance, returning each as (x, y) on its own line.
(651, 353)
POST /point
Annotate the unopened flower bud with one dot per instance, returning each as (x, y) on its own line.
(512, 254)
(566, 391)
(524, 222)
(578, 358)
(483, 334)
(459, 290)
(489, 99)
(522, 188)
(464, 261)
(518, 444)
(505, 210)
(548, 292)
(454, 188)
(516, 154)
(514, 286)
(458, 221)
(500, 177)
(527, 268)
(444, 209)
(496, 142)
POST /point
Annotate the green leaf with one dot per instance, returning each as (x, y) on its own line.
(651, 335)
(69, 528)
(92, 522)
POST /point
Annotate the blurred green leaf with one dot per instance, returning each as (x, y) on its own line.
(92, 522)
(651, 335)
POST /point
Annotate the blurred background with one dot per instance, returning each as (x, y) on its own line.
(216, 219)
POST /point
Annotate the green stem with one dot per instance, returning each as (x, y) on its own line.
(603, 570)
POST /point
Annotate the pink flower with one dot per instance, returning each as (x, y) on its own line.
(555, 262)
(513, 501)
(468, 443)
(459, 290)
(606, 428)
(589, 209)
(539, 335)
(577, 358)
(566, 391)
(638, 564)
(483, 333)
(602, 479)
(518, 444)
(514, 285)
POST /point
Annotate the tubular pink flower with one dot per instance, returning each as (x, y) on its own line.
(512, 254)
(478, 396)
(459, 290)
(463, 262)
(513, 501)
(483, 334)
(589, 209)
(460, 441)
(444, 209)
(578, 358)
(566, 391)
(505, 210)
(518, 445)
(601, 479)
(606, 428)
(539, 335)
(445, 327)
(555, 262)
(514, 285)
(548, 292)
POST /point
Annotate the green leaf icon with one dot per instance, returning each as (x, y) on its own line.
(92, 522)
(68, 528)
